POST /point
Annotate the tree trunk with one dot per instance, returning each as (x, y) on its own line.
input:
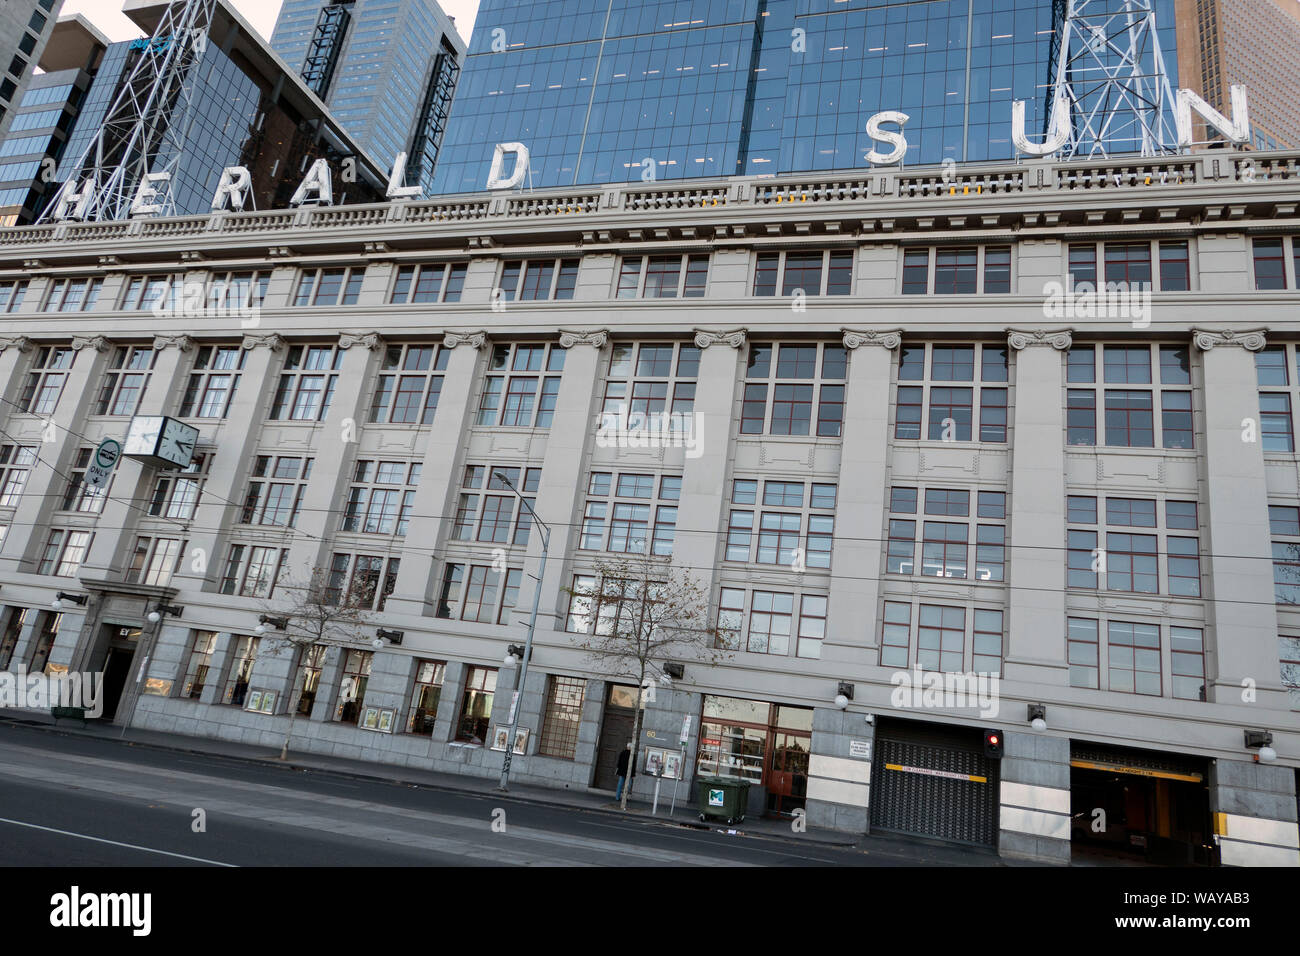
(293, 715)
(636, 737)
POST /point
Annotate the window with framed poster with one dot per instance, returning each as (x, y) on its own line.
(767, 744)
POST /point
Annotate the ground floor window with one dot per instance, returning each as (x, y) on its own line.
(241, 668)
(563, 715)
(352, 685)
(196, 671)
(476, 705)
(311, 660)
(13, 631)
(767, 744)
(424, 700)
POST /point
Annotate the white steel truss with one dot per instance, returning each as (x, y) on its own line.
(148, 122)
(1110, 69)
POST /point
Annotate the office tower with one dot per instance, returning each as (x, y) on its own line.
(25, 28)
(387, 69)
(234, 105)
(599, 90)
(45, 116)
(1252, 43)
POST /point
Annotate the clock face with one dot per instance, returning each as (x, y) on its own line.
(178, 441)
(142, 437)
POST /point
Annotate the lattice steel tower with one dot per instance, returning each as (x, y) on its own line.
(149, 121)
(1109, 66)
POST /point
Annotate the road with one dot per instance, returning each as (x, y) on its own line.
(74, 801)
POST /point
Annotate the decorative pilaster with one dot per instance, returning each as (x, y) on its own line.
(1207, 339)
(735, 338)
(1035, 646)
(264, 340)
(97, 342)
(857, 338)
(371, 341)
(181, 342)
(475, 340)
(596, 338)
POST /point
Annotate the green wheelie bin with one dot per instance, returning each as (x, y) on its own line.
(722, 798)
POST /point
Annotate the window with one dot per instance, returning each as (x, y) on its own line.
(624, 515)
(275, 491)
(16, 462)
(965, 270)
(155, 560)
(1284, 523)
(429, 676)
(381, 498)
(662, 277)
(237, 292)
(243, 657)
(1270, 264)
(562, 718)
(79, 496)
(533, 280)
(1187, 661)
(431, 282)
(1130, 413)
(987, 642)
(487, 596)
(1273, 369)
(895, 643)
(785, 385)
(952, 408)
(809, 273)
(72, 295)
(64, 552)
(476, 705)
(1082, 652)
(212, 384)
(306, 385)
(12, 295)
(45, 381)
(199, 664)
(495, 518)
(407, 390)
(1130, 561)
(252, 570)
(1134, 658)
(1127, 266)
(945, 544)
(176, 493)
(795, 526)
(311, 661)
(361, 581)
(144, 293)
(777, 622)
(1289, 661)
(651, 383)
(1175, 267)
(328, 287)
(125, 381)
(354, 676)
(511, 395)
(940, 636)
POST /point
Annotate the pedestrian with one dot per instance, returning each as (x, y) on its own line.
(623, 760)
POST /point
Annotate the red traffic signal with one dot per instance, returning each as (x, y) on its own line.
(993, 744)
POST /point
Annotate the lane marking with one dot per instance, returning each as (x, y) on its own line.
(129, 846)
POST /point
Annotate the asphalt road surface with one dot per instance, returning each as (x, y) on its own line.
(74, 801)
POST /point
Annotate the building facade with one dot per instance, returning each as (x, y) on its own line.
(1223, 43)
(625, 90)
(26, 25)
(386, 68)
(918, 448)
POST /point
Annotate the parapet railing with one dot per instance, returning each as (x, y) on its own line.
(993, 180)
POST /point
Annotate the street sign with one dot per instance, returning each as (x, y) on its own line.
(686, 729)
(101, 467)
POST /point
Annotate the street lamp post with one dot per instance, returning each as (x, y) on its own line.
(528, 643)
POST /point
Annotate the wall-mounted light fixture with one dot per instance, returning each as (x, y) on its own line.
(266, 624)
(78, 599)
(1038, 716)
(1261, 741)
(157, 613)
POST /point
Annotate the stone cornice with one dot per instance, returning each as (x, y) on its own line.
(1206, 339)
(735, 338)
(1059, 339)
(856, 338)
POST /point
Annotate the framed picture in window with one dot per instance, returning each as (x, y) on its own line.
(673, 764)
(521, 741)
(268, 702)
(386, 718)
(499, 737)
(654, 762)
(255, 701)
(370, 720)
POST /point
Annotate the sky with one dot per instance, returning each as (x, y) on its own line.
(107, 15)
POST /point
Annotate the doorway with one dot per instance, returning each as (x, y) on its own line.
(615, 733)
(118, 657)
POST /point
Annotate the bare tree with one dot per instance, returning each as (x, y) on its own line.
(642, 613)
(315, 614)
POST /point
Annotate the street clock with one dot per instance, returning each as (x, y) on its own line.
(161, 441)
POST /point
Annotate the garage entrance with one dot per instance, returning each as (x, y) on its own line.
(933, 780)
(1140, 805)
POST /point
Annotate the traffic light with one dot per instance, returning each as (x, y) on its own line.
(993, 744)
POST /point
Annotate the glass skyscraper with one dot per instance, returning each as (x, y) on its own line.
(387, 70)
(598, 88)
